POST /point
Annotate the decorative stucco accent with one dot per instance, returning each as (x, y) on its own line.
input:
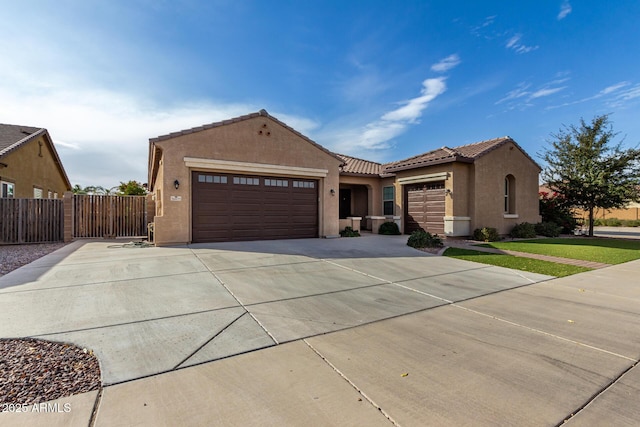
(456, 226)
(255, 168)
(424, 178)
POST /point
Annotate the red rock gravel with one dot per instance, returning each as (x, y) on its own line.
(35, 371)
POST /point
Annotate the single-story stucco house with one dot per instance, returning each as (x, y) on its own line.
(253, 177)
(30, 167)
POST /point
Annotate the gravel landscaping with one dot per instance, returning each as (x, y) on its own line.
(35, 371)
(15, 256)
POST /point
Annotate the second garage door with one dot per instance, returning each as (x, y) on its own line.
(228, 207)
(424, 207)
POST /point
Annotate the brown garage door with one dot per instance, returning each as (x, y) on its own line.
(240, 207)
(424, 207)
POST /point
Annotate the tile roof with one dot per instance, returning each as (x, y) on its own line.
(353, 165)
(465, 153)
(11, 136)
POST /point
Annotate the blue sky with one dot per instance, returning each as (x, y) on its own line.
(381, 80)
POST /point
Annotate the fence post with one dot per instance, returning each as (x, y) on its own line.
(67, 200)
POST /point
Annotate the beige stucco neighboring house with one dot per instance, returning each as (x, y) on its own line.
(254, 177)
(29, 164)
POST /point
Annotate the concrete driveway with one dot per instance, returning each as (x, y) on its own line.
(360, 331)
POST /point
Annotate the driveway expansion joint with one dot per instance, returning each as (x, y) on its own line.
(598, 394)
(352, 384)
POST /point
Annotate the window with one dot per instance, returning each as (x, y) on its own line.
(276, 182)
(304, 184)
(212, 179)
(245, 181)
(7, 189)
(49, 194)
(37, 193)
(388, 200)
(509, 194)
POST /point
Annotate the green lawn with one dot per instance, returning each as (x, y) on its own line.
(517, 263)
(608, 251)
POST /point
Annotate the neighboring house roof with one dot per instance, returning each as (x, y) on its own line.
(464, 153)
(356, 166)
(13, 137)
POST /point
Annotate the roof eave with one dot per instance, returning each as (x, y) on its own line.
(457, 159)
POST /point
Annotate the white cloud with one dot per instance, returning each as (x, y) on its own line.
(377, 136)
(546, 92)
(446, 64)
(565, 9)
(102, 136)
(520, 92)
(614, 96)
(514, 44)
(413, 108)
(609, 89)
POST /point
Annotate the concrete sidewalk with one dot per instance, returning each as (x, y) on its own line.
(330, 332)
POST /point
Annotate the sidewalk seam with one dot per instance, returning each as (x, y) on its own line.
(344, 377)
(96, 406)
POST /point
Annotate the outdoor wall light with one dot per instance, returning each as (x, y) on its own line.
(176, 184)
(333, 192)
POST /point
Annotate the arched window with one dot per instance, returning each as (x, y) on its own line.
(510, 194)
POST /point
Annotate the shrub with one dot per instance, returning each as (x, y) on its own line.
(389, 228)
(548, 229)
(349, 232)
(486, 234)
(424, 239)
(523, 230)
(555, 208)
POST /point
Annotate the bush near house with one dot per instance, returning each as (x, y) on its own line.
(486, 234)
(349, 232)
(389, 228)
(554, 208)
(523, 230)
(548, 229)
(424, 239)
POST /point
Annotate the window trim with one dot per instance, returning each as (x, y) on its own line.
(7, 185)
(391, 200)
(509, 195)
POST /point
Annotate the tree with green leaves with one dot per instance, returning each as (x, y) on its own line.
(589, 170)
(131, 188)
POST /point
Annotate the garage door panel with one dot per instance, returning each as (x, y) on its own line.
(425, 207)
(232, 212)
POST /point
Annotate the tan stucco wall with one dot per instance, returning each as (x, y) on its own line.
(257, 140)
(487, 197)
(27, 169)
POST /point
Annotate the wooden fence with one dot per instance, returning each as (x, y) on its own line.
(109, 216)
(31, 220)
(43, 220)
